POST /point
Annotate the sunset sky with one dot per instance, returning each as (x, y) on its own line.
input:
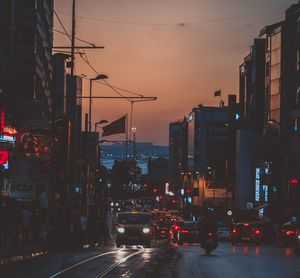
(180, 51)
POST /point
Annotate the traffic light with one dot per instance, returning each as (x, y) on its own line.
(188, 190)
(61, 175)
(294, 181)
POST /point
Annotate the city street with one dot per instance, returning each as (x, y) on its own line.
(237, 261)
(189, 261)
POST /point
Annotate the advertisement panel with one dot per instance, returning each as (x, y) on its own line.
(215, 193)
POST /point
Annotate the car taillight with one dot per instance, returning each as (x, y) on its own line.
(246, 225)
(257, 232)
(176, 227)
(163, 232)
(234, 231)
(210, 234)
(184, 231)
(289, 233)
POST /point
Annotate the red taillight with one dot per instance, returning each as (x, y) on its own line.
(210, 234)
(234, 231)
(176, 227)
(257, 232)
(246, 225)
(289, 233)
(163, 232)
(184, 231)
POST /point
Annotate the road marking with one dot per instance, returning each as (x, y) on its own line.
(85, 261)
(113, 266)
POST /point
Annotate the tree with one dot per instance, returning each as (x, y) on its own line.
(124, 174)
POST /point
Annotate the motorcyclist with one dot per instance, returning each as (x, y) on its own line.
(208, 225)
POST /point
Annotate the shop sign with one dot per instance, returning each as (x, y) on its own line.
(23, 190)
(3, 156)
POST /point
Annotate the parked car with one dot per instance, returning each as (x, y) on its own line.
(297, 244)
(163, 230)
(245, 233)
(285, 235)
(223, 233)
(189, 232)
(134, 228)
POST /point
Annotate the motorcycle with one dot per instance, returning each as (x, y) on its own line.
(210, 243)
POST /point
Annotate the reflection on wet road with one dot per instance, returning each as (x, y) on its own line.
(238, 261)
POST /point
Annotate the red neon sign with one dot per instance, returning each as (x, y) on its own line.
(3, 156)
(294, 181)
(2, 117)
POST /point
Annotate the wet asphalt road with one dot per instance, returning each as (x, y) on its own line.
(103, 262)
(227, 261)
(241, 261)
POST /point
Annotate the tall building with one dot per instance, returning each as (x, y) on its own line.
(291, 83)
(177, 153)
(26, 77)
(252, 87)
(25, 55)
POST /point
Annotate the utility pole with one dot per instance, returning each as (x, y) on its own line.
(73, 38)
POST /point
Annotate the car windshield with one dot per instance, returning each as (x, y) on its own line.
(244, 227)
(134, 218)
(189, 225)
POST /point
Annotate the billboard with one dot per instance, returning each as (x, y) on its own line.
(191, 141)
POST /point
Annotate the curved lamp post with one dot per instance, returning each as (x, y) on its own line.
(98, 77)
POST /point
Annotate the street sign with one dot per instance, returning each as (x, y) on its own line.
(229, 212)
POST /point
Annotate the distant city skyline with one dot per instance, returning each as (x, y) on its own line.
(180, 51)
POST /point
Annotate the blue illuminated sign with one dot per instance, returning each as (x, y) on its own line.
(7, 138)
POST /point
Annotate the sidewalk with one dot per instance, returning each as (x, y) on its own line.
(21, 252)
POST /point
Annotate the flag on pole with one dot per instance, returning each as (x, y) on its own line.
(217, 93)
(116, 127)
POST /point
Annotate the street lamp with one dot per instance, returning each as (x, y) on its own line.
(99, 123)
(98, 77)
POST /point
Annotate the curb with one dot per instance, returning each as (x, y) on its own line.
(14, 259)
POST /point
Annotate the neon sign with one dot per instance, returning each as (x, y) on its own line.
(257, 184)
(9, 130)
(7, 138)
(3, 157)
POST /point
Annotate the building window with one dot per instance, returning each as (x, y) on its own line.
(298, 96)
(296, 125)
(267, 68)
(298, 59)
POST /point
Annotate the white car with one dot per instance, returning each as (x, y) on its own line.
(223, 233)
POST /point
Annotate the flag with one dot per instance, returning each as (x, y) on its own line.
(116, 127)
(217, 93)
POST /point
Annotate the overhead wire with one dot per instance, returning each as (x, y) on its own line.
(180, 23)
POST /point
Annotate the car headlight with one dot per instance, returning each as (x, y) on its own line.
(146, 230)
(121, 230)
(298, 236)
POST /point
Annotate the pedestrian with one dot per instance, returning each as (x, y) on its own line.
(92, 226)
(103, 228)
(109, 223)
(26, 218)
(83, 227)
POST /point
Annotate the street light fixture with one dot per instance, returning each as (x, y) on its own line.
(98, 77)
(99, 123)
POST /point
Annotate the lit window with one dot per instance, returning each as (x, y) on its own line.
(298, 59)
(296, 125)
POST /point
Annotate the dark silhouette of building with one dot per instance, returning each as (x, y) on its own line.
(25, 59)
(158, 173)
(178, 148)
